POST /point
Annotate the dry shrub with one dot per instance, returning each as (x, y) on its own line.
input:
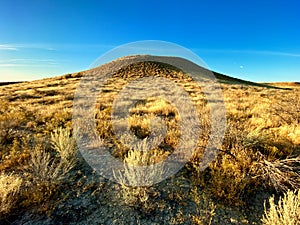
(229, 179)
(252, 161)
(274, 163)
(230, 175)
(63, 143)
(137, 159)
(280, 174)
(7, 132)
(17, 154)
(133, 176)
(286, 212)
(45, 172)
(9, 188)
(44, 167)
(259, 148)
(140, 198)
(44, 176)
(8, 126)
(270, 145)
(285, 115)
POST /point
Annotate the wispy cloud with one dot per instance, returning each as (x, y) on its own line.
(8, 47)
(53, 47)
(26, 65)
(29, 60)
(23, 62)
(277, 53)
(16, 47)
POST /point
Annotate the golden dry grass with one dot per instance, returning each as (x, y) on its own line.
(262, 137)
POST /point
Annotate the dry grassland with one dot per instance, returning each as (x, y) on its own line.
(41, 168)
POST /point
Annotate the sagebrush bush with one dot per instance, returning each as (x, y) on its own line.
(45, 166)
(135, 182)
(46, 173)
(9, 188)
(286, 212)
(63, 143)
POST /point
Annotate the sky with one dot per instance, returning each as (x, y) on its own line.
(257, 40)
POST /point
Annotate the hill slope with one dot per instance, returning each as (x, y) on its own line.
(222, 78)
(259, 155)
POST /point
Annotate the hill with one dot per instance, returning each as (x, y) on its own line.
(44, 178)
(219, 76)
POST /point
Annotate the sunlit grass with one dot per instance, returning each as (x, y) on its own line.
(260, 149)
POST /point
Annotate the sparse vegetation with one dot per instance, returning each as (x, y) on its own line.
(205, 209)
(41, 173)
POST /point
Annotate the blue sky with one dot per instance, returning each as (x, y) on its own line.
(253, 40)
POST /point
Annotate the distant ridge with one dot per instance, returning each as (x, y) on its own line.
(222, 78)
(286, 85)
(8, 83)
